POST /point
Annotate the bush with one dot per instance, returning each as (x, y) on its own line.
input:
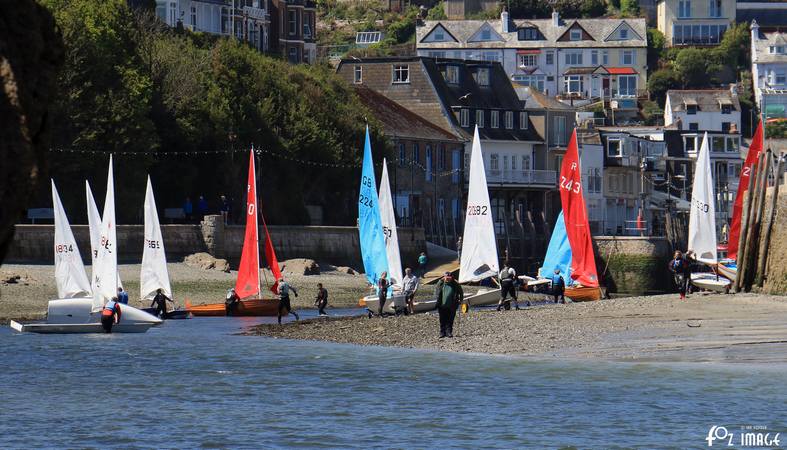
(660, 82)
(776, 130)
(437, 12)
(691, 66)
(656, 43)
(629, 8)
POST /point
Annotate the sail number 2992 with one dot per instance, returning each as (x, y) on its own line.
(477, 210)
(570, 185)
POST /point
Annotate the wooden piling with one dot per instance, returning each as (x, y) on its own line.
(751, 232)
(738, 283)
(768, 225)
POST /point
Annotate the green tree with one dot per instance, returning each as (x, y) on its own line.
(735, 47)
(592, 8)
(656, 43)
(691, 66)
(660, 82)
(437, 12)
(529, 8)
(629, 8)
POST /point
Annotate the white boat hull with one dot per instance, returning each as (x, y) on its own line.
(484, 297)
(710, 282)
(72, 316)
(373, 304)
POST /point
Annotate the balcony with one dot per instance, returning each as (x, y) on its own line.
(256, 13)
(539, 178)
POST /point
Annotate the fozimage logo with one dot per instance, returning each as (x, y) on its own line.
(748, 436)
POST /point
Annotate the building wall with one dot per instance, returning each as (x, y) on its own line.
(668, 11)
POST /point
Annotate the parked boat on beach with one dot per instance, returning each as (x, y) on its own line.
(248, 285)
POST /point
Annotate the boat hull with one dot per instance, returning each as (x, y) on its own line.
(251, 307)
(484, 297)
(710, 282)
(372, 303)
(729, 271)
(177, 314)
(78, 328)
(583, 293)
(74, 316)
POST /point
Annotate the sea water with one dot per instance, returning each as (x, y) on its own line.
(199, 384)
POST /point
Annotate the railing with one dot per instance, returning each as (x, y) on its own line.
(540, 177)
(255, 13)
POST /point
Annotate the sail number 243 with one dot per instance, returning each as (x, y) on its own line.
(570, 185)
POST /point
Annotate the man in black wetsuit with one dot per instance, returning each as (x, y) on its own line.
(322, 299)
(284, 301)
(160, 302)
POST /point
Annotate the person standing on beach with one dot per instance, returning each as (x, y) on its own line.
(409, 287)
(558, 286)
(122, 296)
(422, 260)
(681, 272)
(231, 302)
(160, 302)
(459, 248)
(284, 299)
(322, 299)
(507, 277)
(110, 315)
(382, 292)
(449, 296)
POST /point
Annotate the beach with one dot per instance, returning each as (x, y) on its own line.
(702, 328)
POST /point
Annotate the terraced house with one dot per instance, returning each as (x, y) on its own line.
(694, 22)
(574, 59)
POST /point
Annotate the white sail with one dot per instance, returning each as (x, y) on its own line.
(105, 272)
(702, 220)
(389, 228)
(154, 274)
(94, 225)
(70, 275)
(479, 249)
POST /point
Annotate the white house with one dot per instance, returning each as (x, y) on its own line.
(769, 70)
(703, 109)
(574, 59)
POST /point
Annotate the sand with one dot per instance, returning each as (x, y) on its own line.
(703, 328)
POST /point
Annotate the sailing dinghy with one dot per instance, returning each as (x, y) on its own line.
(248, 284)
(94, 226)
(479, 258)
(702, 223)
(76, 311)
(154, 274)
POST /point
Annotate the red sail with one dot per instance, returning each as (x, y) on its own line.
(583, 262)
(749, 167)
(270, 256)
(248, 282)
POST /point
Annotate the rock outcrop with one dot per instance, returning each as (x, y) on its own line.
(205, 261)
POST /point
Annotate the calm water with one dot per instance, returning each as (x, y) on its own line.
(194, 384)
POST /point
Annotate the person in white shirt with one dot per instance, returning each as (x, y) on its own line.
(409, 287)
(507, 277)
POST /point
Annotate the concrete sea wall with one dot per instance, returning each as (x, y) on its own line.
(776, 273)
(33, 244)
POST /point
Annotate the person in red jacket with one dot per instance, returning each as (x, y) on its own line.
(110, 315)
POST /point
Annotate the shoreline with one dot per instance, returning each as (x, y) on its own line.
(706, 328)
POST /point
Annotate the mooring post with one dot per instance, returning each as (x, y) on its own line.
(766, 241)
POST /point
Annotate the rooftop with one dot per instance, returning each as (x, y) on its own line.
(762, 53)
(706, 100)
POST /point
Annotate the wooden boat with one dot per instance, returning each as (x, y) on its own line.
(583, 293)
(711, 282)
(248, 284)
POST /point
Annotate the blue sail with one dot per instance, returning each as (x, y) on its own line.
(375, 260)
(558, 253)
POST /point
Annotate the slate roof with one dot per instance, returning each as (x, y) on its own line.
(708, 100)
(599, 29)
(768, 18)
(761, 52)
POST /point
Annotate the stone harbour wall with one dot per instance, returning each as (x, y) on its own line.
(634, 265)
(33, 244)
(776, 269)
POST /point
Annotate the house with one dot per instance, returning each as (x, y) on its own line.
(591, 156)
(574, 59)
(769, 70)
(285, 27)
(456, 95)
(426, 171)
(694, 22)
(703, 109)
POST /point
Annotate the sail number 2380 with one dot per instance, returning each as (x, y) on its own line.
(476, 210)
(570, 185)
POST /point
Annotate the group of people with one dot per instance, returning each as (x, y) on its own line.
(284, 309)
(680, 266)
(110, 315)
(203, 209)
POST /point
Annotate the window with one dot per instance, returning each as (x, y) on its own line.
(479, 118)
(416, 154)
(575, 35)
(464, 117)
(574, 84)
(173, 13)
(367, 37)
(715, 8)
(358, 75)
(777, 49)
(691, 109)
(684, 8)
(401, 74)
(525, 163)
(441, 158)
(490, 56)
(594, 57)
(225, 21)
(482, 76)
(527, 60)
(574, 58)
(428, 163)
(509, 120)
(726, 109)
(292, 21)
(436, 54)
(614, 148)
(604, 57)
(628, 58)
(534, 81)
(550, 58)
(779, 78)
(194, 17)
(513, 162)
(486, 34)
(293, 55)
(402, 155)
(523, 120)
(732, 145)
(717, 143)
(307, 29)
(439, 35)
(627, 85)
(694, 126)
(455, 161)
(725, 127)
(697, 34)
(559, 127)
(494, 119)
(493, 162)
(690, 143)
(527, 34)
(505, 163)
(624, 34)
(452, 74)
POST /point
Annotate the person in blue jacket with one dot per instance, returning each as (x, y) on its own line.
(558, 286)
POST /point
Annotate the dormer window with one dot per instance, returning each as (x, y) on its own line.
(452, 74)
(624, 33)
(486, 34)
(479, 118)
(575, 35)
(726, 109)
(439, 35)
(482, 76)
(691, 109)
(527, 34)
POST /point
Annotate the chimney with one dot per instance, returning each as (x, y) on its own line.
(555, 19)
(755, 30)
(504, 21)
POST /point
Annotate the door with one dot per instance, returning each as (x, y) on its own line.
(605, 86)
